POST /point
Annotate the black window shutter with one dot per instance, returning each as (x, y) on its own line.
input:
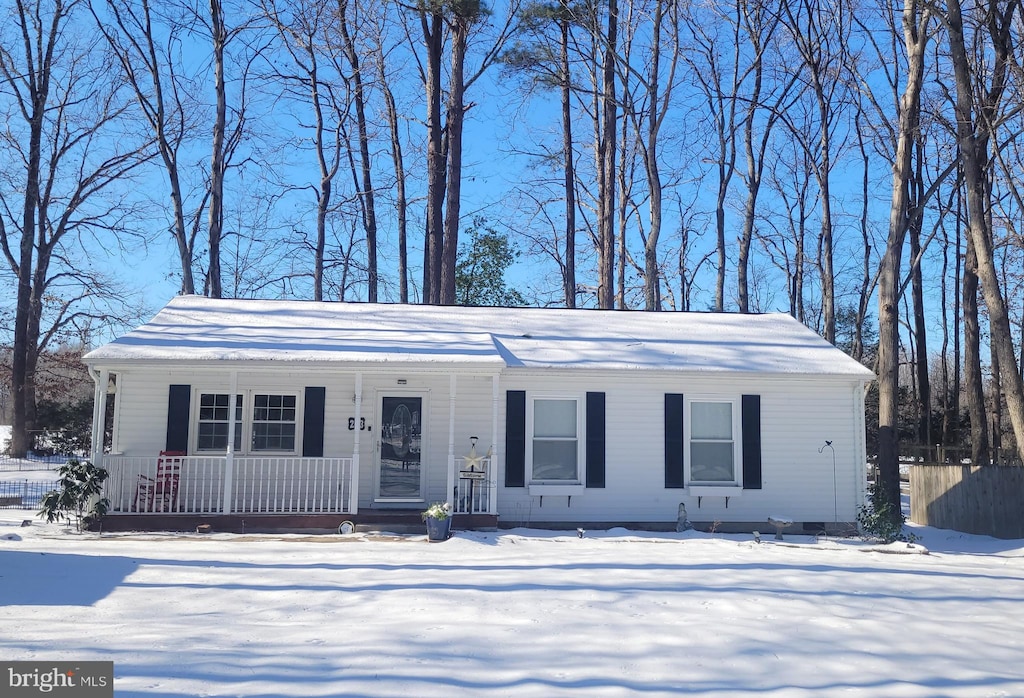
(313, 422)
(751, 417)
(595, 440)
(178, 398)
(674, 445)
(515, 438)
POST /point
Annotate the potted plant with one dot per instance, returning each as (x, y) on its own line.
(438, 518)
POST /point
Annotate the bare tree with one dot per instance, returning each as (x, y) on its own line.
(759, 25)
(917, 18)
(785, 240)
(979, 113)
(820, 34)
(432, 27)
(719, 76)
(367, 193)
(542, 25)
(398, 163)
(148, 48)
(568, 155)
(304, 34)
(606, 170)
(463, 15)
(657, 93)
(234, 47)
(61, 172)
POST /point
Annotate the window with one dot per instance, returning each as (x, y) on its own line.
(556, 443)
(212, 431)
(273, 423)
(712, 447)
(264, 421)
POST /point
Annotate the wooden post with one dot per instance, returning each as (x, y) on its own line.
(492, 466)
(353, 495)
(450, 495)
(227, 505)
(99, 417)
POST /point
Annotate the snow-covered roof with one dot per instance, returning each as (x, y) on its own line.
(197, 329)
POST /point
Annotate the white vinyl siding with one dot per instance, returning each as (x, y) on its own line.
(797, 416)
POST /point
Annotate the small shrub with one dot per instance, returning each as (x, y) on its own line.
(77, 499)
(438, 510)
(882, 519)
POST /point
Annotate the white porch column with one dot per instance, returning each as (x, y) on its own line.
(353, 495)
(450, 496)
(99, 416)
(229, 457)
(492, 471)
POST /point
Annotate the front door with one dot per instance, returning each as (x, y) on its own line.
(400, 471)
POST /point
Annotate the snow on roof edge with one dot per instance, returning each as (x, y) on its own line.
(198, 329)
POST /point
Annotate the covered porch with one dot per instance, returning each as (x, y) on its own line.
(244, 494)
(232, 491)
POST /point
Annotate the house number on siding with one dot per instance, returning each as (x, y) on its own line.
(362, 424)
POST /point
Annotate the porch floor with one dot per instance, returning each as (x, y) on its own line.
(395, 520)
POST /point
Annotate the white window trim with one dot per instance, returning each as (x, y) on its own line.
(737, 445)
(248, 406)
(536, 485)
(197, 398)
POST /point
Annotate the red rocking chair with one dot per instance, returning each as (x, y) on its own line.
(160, 494)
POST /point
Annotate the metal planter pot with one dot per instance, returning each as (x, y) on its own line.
(439, 529)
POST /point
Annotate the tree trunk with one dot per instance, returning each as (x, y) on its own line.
(828, 274)
(34, 107)
(433, 34)
(217, 158)
(995, 396)
(973, 139)
(915, 34)
(957, 316)
(323, 198)
(973, 379)
(607, 188)
(456, 111)
(367, 194)
(568, 167)
(924, 393)
(755, 162)
(946, 397)
(401, 202)
(724, 175)
(624, 176)
(864, 288)
(655, 115)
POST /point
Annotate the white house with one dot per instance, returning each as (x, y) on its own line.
(286, 414)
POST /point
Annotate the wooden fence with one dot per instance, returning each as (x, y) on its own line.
(985, 500)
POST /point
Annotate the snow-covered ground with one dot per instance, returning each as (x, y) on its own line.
(518, 613)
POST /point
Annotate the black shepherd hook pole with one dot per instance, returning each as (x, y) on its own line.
(835, 495)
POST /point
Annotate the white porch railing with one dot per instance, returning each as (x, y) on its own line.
(473, 493)
(203, 485)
